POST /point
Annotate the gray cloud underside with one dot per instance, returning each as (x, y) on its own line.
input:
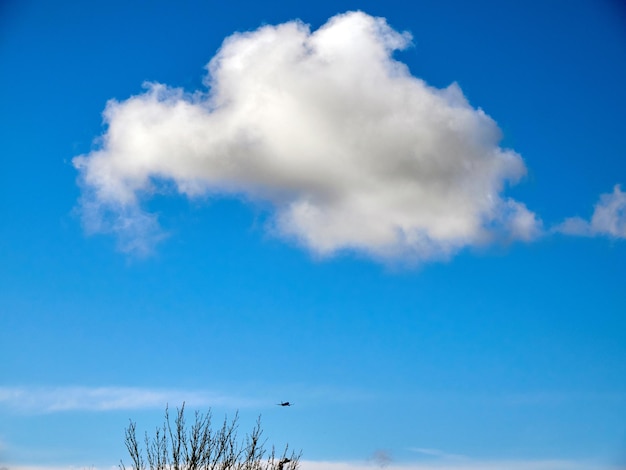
(347, 147)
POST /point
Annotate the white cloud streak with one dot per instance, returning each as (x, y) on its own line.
(437, 453)
(608, 219)
(474, 465)
(59, 399)
(347, 148)
(468, 464)
(58, 467)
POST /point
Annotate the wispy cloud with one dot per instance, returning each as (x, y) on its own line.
(437, 453)
(334, 465)
(458, 465)
(348, 149)
(59, 399)
(58, 467)
(608, 219)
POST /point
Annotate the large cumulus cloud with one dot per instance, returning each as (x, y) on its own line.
(349, 149)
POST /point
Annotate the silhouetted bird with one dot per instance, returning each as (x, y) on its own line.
(284, 403)
(283, 462)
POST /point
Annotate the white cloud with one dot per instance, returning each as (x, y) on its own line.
(437, 453)
(457, 465)
(349, 150)
(469, 465)
(58, 467)
(608, 219)
(57, 399)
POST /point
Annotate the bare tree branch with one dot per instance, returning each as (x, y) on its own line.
(177, 446)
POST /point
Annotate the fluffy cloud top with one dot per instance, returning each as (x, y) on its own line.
(608, 219)
(348, 148)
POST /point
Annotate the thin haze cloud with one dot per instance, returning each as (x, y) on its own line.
(437, 453)
(60, 399)
(349, 150)
(470, 464)
(473, 465)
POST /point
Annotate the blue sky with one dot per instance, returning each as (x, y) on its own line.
(431, 270)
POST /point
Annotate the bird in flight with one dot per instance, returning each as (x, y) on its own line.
(284, 403)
